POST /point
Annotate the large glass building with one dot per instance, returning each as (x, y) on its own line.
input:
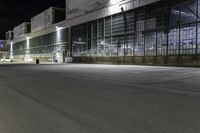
(131, 31)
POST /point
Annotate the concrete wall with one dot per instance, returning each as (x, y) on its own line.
(79, 7)
(21, 30)
(44, 19)
(184, 60)
(76, 8)
(9, 35)
(42, 58)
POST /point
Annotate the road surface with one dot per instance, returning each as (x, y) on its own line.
(82, 98)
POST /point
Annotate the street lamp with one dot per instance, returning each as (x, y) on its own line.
(28, 43)
(27, 58)
(59, 28)
(11, 50)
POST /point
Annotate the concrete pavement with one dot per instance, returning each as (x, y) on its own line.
(84, 98)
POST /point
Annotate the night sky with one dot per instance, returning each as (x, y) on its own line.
(15, 12)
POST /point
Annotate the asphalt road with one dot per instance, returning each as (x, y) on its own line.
(77, 98)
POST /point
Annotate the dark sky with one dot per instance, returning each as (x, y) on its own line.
(15, 12)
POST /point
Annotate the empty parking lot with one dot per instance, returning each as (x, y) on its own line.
(83, 98)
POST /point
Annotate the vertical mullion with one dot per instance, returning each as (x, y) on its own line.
(111, 37)
(156, 39)
(97, 37)
(179, 25)
(134, 41)
(144, 32)
(91, 36)
(196, 48)
(167, 28)
(104, 39)
(87, 39)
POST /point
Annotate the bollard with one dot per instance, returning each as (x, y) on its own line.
(37, 61)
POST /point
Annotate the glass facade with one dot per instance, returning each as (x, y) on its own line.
(164, 28)
(160, 29)
(46, 44)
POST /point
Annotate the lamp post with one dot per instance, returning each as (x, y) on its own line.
(27, 58)
(11, 50)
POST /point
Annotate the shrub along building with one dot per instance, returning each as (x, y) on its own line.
(117, 31)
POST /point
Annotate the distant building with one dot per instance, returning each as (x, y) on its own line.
(127, 31)
(3, 46)
(9, 35)
(47, 18)
(3, 49)
(22, 30)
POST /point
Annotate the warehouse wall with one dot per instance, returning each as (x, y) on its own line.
(42, 20)
(47, 18)
(184, 60)
(75, 8)
(9, 35)
(81, 11)
(21, 30)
